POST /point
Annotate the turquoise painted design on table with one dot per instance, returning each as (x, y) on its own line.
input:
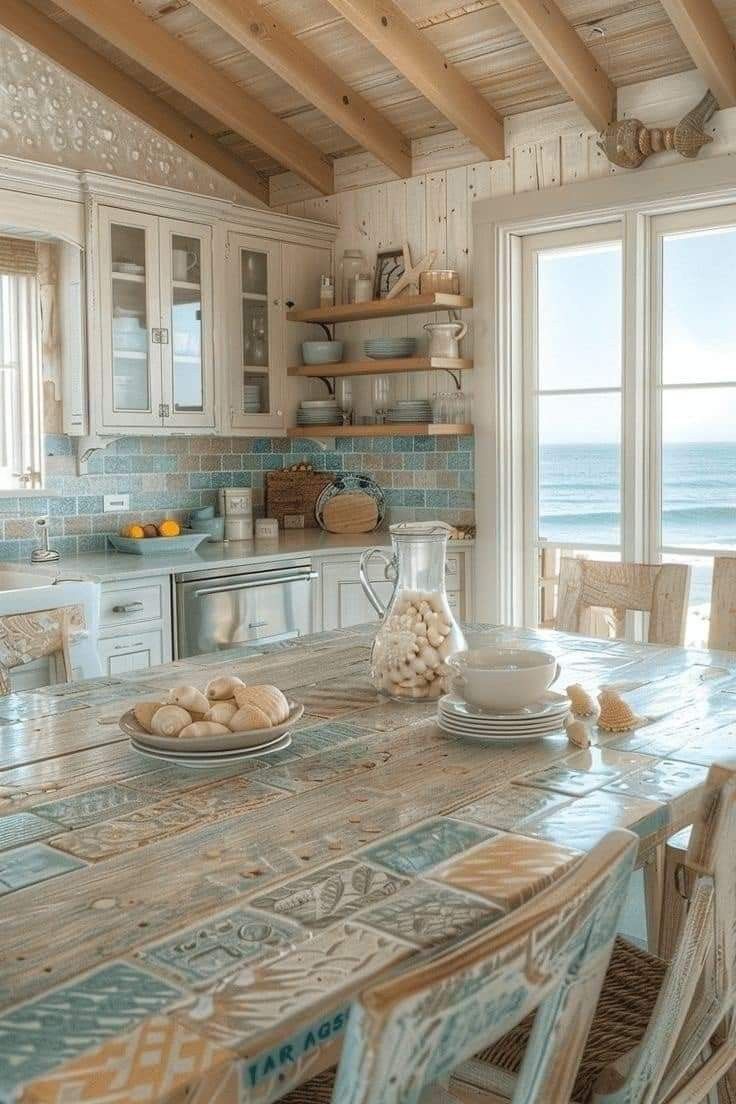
(322, 737)
(40, 1035)
(26, 866)
(20, 828)
(270, 1063)
(421, 848)
(427, 913)
(93, 805)
(221, 944)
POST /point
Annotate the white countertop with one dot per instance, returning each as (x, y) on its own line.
(110, 566)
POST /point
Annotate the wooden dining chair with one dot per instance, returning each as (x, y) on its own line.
(661, 590)
(56, 628)
(661, 1032)
(722, 631)
(406, 1034)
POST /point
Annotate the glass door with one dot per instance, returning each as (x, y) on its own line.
(572, 410)
(129, 317)
(257, 355)
(186, 308)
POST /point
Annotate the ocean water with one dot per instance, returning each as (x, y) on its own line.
(580, 499)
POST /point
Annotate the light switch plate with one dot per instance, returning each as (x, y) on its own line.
(116, 504)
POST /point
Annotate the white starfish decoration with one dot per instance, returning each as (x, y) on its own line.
(412, 271)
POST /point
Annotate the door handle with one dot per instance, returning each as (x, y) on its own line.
(256, 583)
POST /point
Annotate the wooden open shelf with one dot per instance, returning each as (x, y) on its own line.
(382, 308)
(403, 429)
(382, 367)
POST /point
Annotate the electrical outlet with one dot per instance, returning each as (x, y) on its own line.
(116, 504)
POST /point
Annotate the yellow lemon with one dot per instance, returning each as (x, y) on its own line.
(136, 532)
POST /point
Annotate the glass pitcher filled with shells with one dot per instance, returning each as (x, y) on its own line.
(418, 631)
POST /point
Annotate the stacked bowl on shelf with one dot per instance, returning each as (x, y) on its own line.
(316, 412)
(390, 348)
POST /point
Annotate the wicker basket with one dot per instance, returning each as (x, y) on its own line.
(295, 492)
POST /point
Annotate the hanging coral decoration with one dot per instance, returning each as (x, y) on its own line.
(628, 142)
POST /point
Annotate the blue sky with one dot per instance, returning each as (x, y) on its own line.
(580, 339)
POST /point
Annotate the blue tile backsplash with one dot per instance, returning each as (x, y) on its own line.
(422, 477)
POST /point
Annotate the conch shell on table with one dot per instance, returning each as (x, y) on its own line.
(581, 702)
(628, 143)
(616, 714)
(578, 733)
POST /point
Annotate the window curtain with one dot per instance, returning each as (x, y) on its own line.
(18, 257)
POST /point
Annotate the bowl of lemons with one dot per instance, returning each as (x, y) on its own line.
(149, 539)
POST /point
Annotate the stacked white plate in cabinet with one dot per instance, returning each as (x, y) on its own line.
(410, 410)
(251, 398)
(319, 412)
(457, 718)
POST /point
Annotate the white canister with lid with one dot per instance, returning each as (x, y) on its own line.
(238, 511)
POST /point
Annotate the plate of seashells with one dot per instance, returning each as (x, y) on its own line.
(229, 719)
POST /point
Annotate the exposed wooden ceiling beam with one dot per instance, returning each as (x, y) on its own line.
(414, 55)
(124, 25)
(256, 29)
(45, 35)
(564, 52)
(706, 38)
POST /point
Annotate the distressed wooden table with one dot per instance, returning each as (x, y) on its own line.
(172, 935)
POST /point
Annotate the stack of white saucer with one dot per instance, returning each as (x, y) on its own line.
(502, 694)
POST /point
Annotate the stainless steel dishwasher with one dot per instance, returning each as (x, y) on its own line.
(223, 608)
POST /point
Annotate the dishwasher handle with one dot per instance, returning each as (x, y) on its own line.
(252, 584)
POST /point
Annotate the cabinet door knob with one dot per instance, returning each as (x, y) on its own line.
(131, 607)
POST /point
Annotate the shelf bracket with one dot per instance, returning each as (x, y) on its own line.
(454, 377)
(326, 328)
(328, 382)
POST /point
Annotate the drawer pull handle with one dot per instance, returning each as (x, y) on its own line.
(257, 624)
(130, 607)
(127, 647)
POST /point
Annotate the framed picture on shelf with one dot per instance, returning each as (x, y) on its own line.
(389, 270)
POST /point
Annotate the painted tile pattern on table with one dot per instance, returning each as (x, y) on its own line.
(586, 771)
(663, 781)
(588, 819)
(306, 774)
(155, 1062)
(426, 913)
(428, 845)
(37, 1036)
(92, 805)
(219, 944)
(508, 869)
(25, 866)
(512, 807)
(19, 828)
(236, 1010)
(333, 893)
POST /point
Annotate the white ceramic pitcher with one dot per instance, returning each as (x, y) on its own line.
(444, 338)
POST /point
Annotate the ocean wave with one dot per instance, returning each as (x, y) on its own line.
(603, 517)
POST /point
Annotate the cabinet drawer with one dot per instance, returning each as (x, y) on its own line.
(132, 652)
(134, 604)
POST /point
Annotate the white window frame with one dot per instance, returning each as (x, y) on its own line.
(21, 388)
(635, 200)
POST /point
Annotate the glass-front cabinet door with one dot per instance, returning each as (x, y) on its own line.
(129, 317)
(256, 345)
(186, 307)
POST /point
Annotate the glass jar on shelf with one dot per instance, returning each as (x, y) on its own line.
(353, 263)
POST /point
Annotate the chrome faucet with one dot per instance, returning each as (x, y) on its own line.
(44, 554)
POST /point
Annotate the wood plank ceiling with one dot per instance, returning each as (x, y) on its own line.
(625, 41)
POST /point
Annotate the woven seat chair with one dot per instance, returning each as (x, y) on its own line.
(63, 628)
(407, 1034)
(661, 590)
(661, 1031)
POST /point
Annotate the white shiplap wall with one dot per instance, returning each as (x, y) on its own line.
(548, 148)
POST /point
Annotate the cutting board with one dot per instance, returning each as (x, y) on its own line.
(350, 512)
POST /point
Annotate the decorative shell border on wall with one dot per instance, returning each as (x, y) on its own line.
(50, 116)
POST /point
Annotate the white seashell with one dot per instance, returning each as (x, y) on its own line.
(420, 629)
(616, 714)
(169, 720)
(429, 656)
(189, 698)
(444, 650)
(581, 702)
(435, 638)
(577, 733)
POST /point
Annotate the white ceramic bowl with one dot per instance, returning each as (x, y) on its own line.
(321, 352)
(502, 678)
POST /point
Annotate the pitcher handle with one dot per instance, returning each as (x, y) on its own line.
(365, 582)
(463, 331)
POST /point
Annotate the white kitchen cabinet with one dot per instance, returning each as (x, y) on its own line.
(344, 603)
(265, 279)
(156, 355)
(135, 624)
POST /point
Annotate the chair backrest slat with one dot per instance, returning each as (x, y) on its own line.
(550, 955)
(722, 632)
(661, 590)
